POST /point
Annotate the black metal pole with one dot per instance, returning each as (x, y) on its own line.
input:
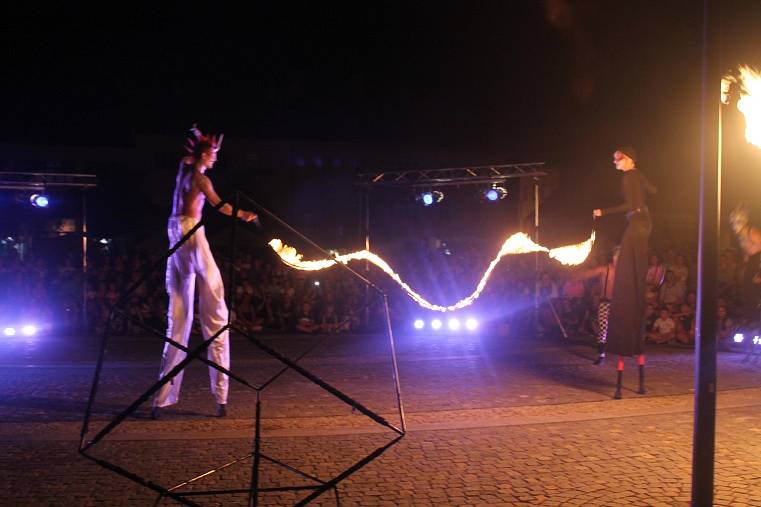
(704, 435)
(253, 495)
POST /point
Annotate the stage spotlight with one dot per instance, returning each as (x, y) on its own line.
(29, 330)
(495, 193)
(454, 324)
(430, 198)
(757, 340)
(419, 324)
(471, 324)
(436, 324)
(9, 331)
(738, 337)
(39, 200)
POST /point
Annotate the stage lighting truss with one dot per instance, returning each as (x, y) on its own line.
(494, 193)
(430, 197)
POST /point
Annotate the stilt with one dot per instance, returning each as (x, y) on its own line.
(641, 363)
(620, 368)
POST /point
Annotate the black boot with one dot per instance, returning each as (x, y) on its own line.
(641, 389)
(600, 353)
(617, 395)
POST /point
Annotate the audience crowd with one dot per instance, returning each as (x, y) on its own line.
(271, 297)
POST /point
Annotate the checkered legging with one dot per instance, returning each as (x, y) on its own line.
(602, 321)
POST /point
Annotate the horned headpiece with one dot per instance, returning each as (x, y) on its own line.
(199, 142)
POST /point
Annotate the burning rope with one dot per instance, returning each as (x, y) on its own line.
(518, 243)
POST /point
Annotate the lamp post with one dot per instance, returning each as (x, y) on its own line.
(704, 434)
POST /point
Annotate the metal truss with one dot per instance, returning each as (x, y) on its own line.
(472, 175)
(255, 458)
(37, 181)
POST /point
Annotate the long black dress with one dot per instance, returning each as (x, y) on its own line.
(627, 308)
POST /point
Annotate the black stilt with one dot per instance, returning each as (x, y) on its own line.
(641, 389)
(617, 395)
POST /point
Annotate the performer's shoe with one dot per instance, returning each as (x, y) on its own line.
(599, 359)
(221, 410)
(155, 413)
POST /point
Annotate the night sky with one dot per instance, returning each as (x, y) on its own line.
(561, 81)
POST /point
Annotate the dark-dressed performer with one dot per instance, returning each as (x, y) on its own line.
(607, 276)
(191, 263)
(627, 307)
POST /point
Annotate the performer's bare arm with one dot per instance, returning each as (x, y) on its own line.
(203, 183)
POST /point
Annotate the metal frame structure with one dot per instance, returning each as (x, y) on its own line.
(41, 181)
(87, 444)
(473, 175)
(456, 176)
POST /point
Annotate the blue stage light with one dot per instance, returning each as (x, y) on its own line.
(495, 193)
(39, 200)
(431, 197)
(454, 324)
(738, 338)
(471, 324)
(436, 324)
(9, 331)
(29, 330)
(419, 324)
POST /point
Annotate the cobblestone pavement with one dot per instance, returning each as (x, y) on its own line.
(490, 422)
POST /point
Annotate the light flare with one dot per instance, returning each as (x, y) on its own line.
(518, 243)
(749, 103)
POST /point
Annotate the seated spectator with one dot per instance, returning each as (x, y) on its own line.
(671, 291)
(664, 328)
(330, 322)
(685, 319)
(650, 316)
(305, 319)
(725, 329)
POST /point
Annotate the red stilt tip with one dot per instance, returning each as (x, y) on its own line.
(620, 364)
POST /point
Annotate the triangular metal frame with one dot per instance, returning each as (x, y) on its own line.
(88, 444)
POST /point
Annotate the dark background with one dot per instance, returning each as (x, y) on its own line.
(484, 82)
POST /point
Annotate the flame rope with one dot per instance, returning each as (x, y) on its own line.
(518, 243)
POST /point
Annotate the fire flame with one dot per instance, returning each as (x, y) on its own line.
(518, 243)
(749, 103)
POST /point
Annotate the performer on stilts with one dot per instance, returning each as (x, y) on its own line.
(191, 263)
(627, 308)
